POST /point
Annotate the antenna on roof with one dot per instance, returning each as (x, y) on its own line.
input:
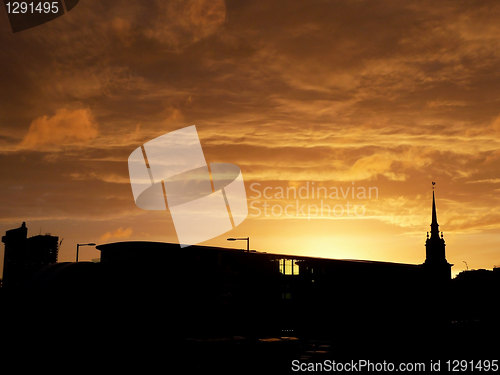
(433, 185)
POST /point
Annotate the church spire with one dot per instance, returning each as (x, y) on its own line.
(435, 264)
(434, 223)
(435, 246)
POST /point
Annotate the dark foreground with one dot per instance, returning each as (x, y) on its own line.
(133, 336)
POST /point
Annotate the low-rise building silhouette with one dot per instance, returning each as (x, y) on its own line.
(214, 292)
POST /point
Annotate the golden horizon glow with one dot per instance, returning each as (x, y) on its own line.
(391, 95)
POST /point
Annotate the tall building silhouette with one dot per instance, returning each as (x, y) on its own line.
(24, 256)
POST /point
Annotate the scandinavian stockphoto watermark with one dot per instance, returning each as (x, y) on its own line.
(309, 200)
(204, 200)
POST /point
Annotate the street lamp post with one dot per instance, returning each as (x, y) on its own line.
(82, 244)
(242, 239)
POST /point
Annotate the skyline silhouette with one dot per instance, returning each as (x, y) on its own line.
(208, 303)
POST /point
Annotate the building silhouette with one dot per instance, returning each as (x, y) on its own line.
(477, 291)
(435, 265)
(255, 294)
(24, 256)
(225, 306)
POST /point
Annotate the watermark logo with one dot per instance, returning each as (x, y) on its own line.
(205, 200)
(27, 14)
(310, 201)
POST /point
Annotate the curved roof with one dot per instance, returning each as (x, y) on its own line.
(151, 246)
(147, 245)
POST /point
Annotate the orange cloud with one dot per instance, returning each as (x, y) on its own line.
(64, 128)
(491, 129)
(183, 22)
(119, 233)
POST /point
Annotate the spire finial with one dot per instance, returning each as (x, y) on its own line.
(434, 223)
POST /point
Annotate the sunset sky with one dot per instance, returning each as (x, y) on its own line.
(337, 94)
